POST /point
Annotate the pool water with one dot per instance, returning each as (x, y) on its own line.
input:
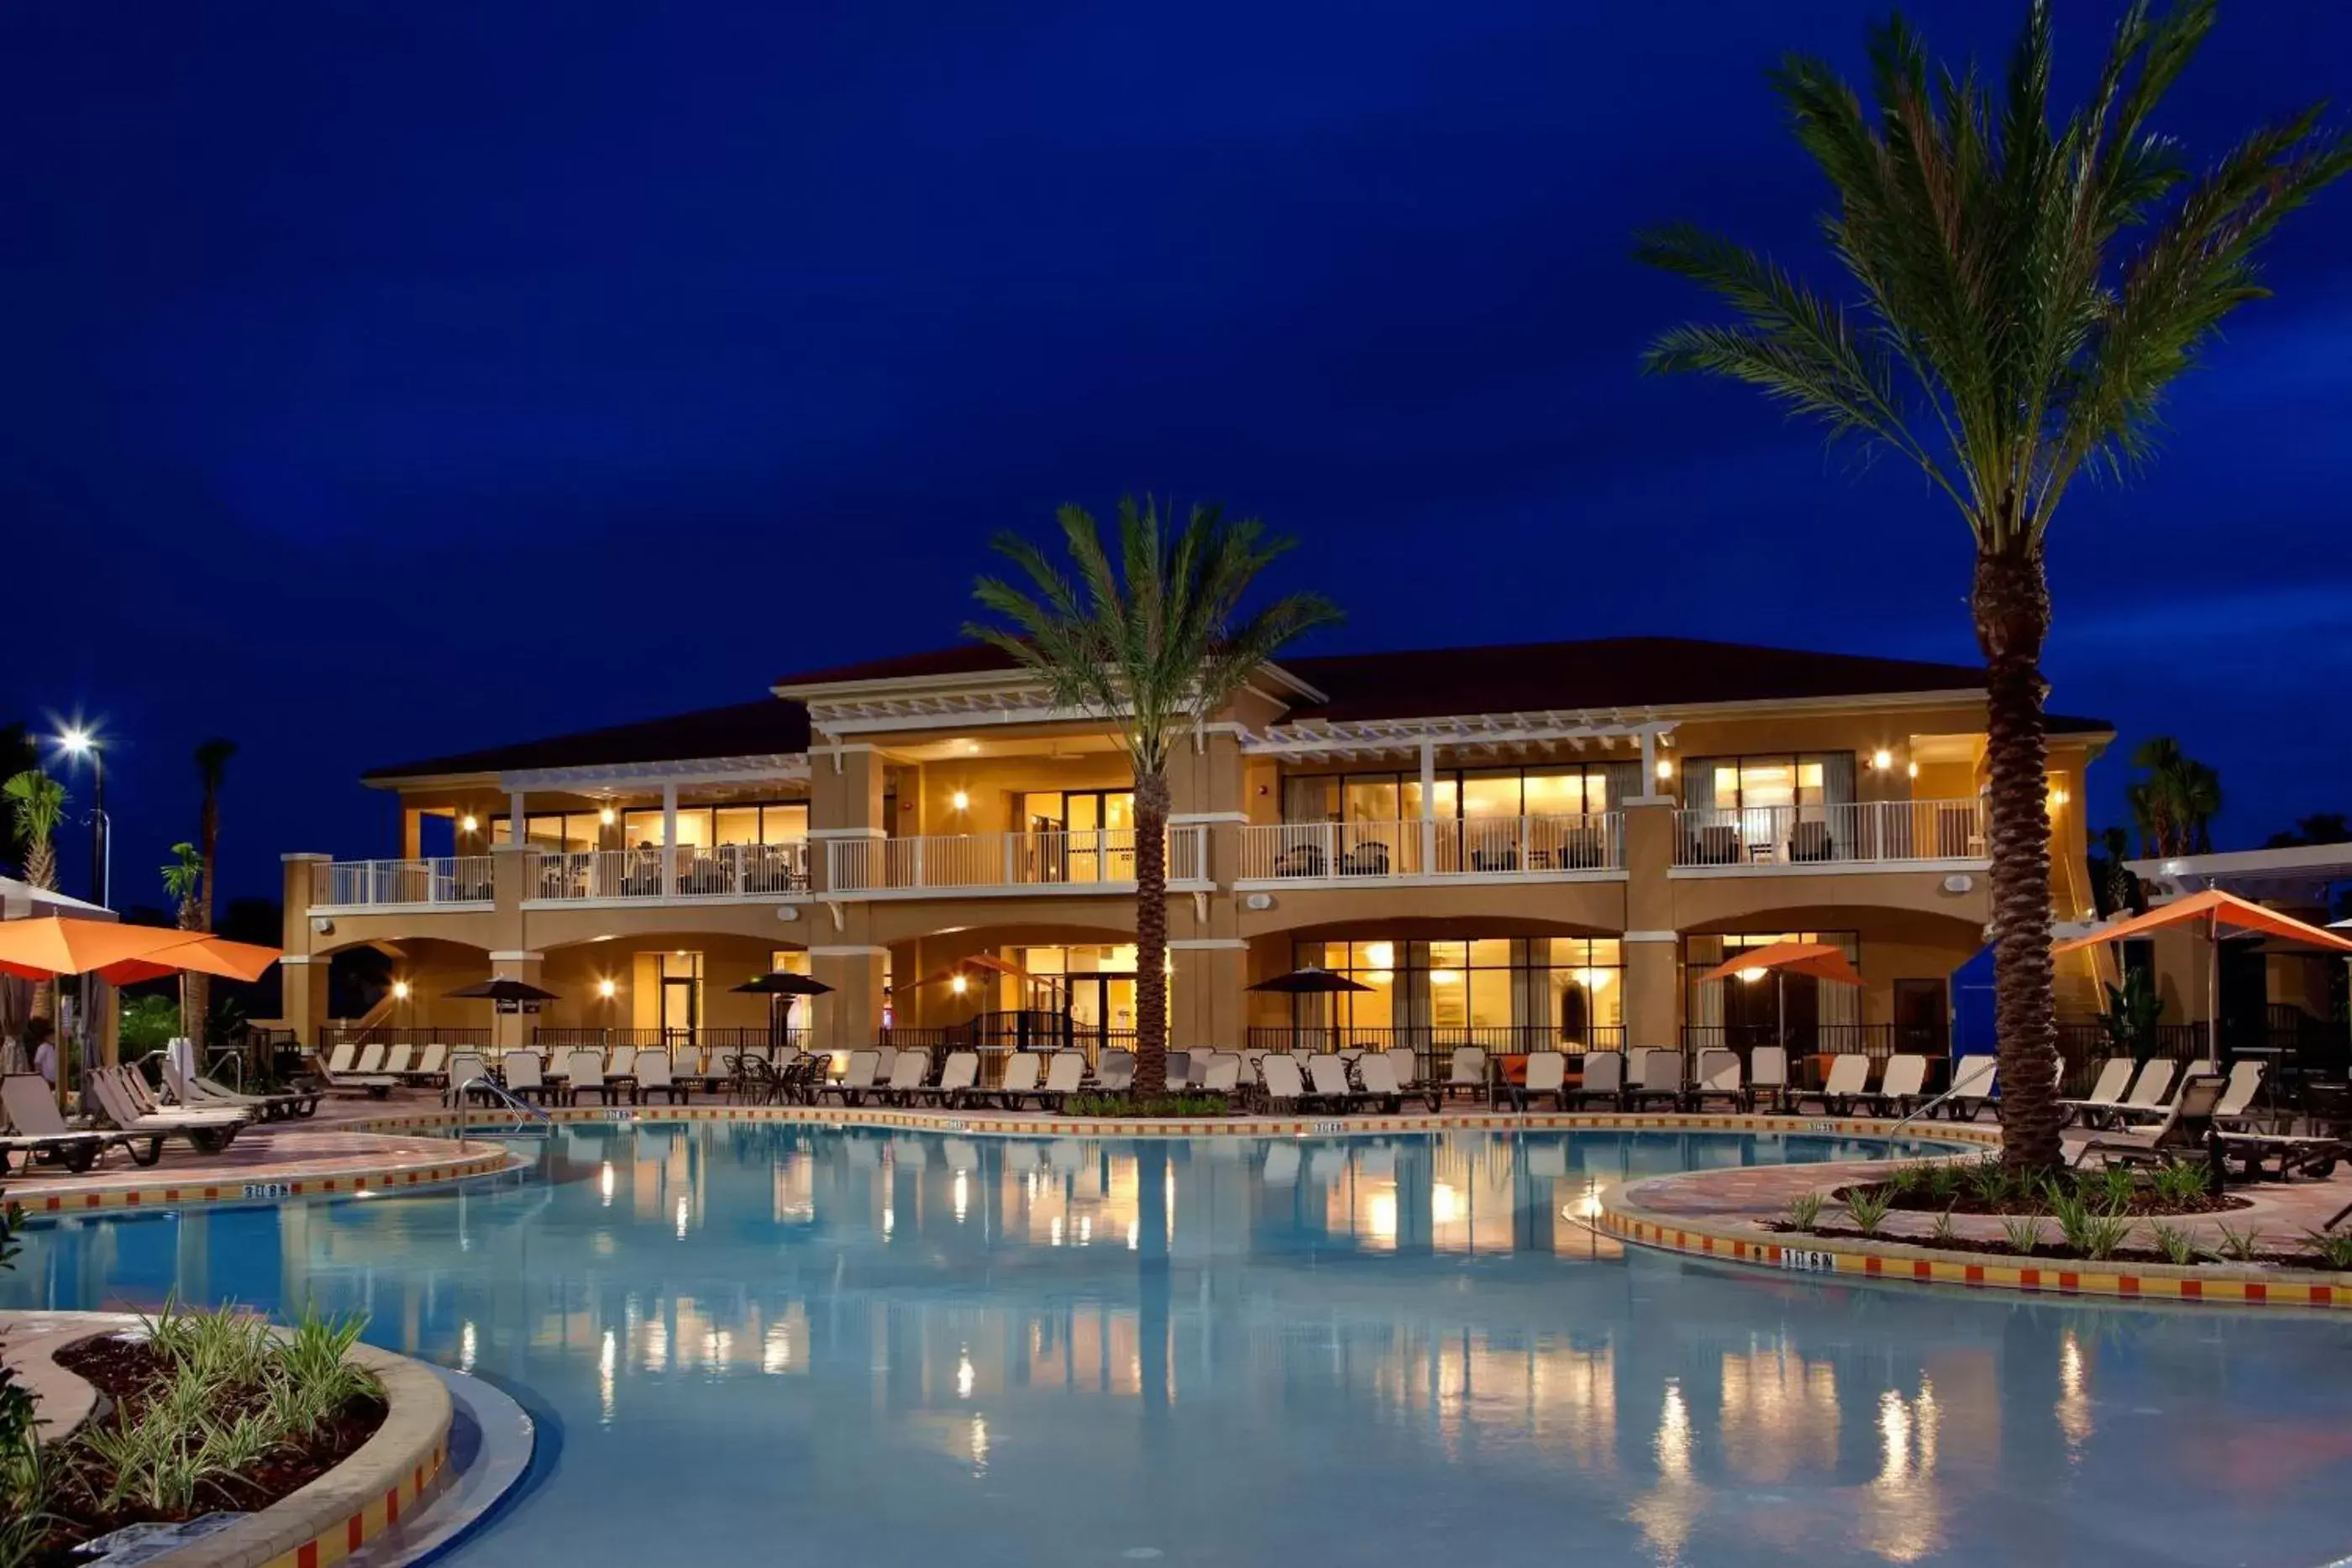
(766, 1343)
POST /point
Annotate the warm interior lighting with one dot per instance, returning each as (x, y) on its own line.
(2058, 795)
(960, 801)
(1445, 977)
(607, 816)
(470, 823)
(1751, 975)
(1666, 769)
(1882, 760)
(957, 985)
(400, 990)
(606, 988)
(1915, 770)
(1381, 954)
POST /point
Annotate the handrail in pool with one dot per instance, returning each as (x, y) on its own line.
(497, 1091)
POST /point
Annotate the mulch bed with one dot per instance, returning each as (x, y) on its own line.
(127, 1372)
(2142, 1206)
(2052, 1250)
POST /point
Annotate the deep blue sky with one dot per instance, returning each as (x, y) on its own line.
(382, 380)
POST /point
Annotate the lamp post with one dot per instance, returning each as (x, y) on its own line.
(80, 744)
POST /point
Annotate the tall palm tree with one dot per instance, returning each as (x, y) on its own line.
(37, 804)
(2021, 295)
(183, 878)
(2175, 805)
(212, 767)
(1152, 646)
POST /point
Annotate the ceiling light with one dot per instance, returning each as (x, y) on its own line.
(468, 822)
(1882, 760)
(1915, 770)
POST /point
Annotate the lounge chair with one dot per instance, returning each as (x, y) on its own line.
(2187, 1129)
(1024, 1071)
(198, 1092)
(856, 1080)
(1377, 1073)
(432, 1066)
(2153, 1092)
(1405, 1065)
(1848, 1082)
(1468, 1073)
(38, 1132)
(371, 1059)
(1063, 1075)
(2314, 1156)
(2107, 1093)
(1767, 1077)
(1115, 1075)
(525, 1078)
(395, 1061)
(1718, 1079)
(907, 1075)
(2238, 1099)
(209, 1131)
(585, 1075)
(624, 1063)
(1546, 1075)
(1176, 1068)
(465, 1066)
(1285, 1089)
(958, 1079)
(1902, 1085)
(1604, 1080)
(1660, 1079)
(1223, 1075)
(654, 1077)
(1327, 1077)
(1974, 1080)
(343, 1073)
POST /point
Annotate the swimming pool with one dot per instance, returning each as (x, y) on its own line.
(769, 1343)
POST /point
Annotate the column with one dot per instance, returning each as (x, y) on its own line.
(302, 979)
(669, 840)
(1428, 807)
(1207, 1005)
(850, 1017)
(1653, 943)
(845, 804)
(509, 1031)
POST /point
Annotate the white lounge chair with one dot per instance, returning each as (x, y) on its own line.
(1285, 1086)
(209, 1130)
(907, 1075)
(1974, 1080)
(654, 1077)
(1327, 1076)
(1116, 1072)
(1903, 1085)
(465, 1066)
(1404, 1064)
(1223, 1075)
(1377, 1072)
(1849, 1081)
(1468, 1072)
(2106, 1095)
(1063, 1074)
(2238, 1098)
(1604, 1080)
(1767, 1077)
(432, 1065)
(1024, 1071)
(344, 1073)
(1546, 1075)
(35, 1131)
(2151, 1095)
(1718, 1079)
(199, 1093)
(856, 1080)
(957, 1080)
(1660, 1079)
(525, 1078)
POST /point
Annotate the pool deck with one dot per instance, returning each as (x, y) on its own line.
(268, 1161)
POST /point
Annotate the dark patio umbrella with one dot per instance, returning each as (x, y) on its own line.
(780, 983)
(505, 991)
(1309, 982)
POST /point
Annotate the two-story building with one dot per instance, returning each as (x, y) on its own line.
(1508, 846)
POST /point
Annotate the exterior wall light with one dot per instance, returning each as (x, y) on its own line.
(607, 816)
(957, 985)
(400, 990)
(1666, 769)
(1882, 760)
(606, 988)
(470, 823)
(960, 801)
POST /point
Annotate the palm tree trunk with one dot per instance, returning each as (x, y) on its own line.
(2011, 603)
(1152, 802)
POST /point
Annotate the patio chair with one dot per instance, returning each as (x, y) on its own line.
(1660, 1081)
(1327, 1077)
(209, 1131)
(465, 1066)
(1604, 1080)
(2107, 1093)
(343, 1072)
(2187, 1129)
(1024, 1070)
(586, 1075)
(1286, 1090)
(2312, 1155)
(1974, 1080)
(525, 1078)
(37, 1130)
(342, 1059)
(2238, 1099)
(395, 1060)
(1468, 1073)
(624, 1063)
(1767, 1077)
(371, 1059)
(1718, 1079)
(958, 1079)
(1063, 1074)
(1404, 1064)
(1848, 1082)
(1902, 1086)
(1377, 1071)
(432, 1062)
(199, 1093)
(2150, 1097)
(1223, 1075)
(653, 1078)
(856, 1080)
(1546, 1075)
(1177, 1069)
(907, 1075)
(1115, 1075)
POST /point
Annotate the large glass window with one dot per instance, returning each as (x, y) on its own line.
(1504, 993)
(1537, 790)
(1086, 835)
(700, 827)
(552, 829)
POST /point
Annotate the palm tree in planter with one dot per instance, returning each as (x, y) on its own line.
(212, 767)
(37, 804)
(183, 883)
(2020, 295)
(1153, 646)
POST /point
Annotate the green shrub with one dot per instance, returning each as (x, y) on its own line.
(2024, 1233)
(1868, 1207)
(2239, 1245)
(2175, 1243)
(22, 1524)
(1804, 1211)
(2332, 1247)
(1944, 1233)
(1906, 1178)
(1944, 1182)
(1162, 1105)
(2117, 1186)
(2176, 1182)
(148, 1024)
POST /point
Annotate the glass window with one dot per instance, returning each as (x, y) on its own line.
(736, 824)
(1373, 799)
(1491, 794)
(783, 824)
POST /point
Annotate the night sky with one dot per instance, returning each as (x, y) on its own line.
(384, 379)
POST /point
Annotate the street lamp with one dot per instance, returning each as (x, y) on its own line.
(78, 744)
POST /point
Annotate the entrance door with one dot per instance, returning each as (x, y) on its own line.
(1921, 1016)
(1102, 1011)
(678, 1010)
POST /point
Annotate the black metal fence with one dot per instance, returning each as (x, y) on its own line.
(347, 1033)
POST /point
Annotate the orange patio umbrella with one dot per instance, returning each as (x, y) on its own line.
(2217, 915)
(1780, 960)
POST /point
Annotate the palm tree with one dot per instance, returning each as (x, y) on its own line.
(183, 882)
(1152, 646)
(2319, 828)
(2175, 805)
(2022, 296)
(37, 805)
(212, 767)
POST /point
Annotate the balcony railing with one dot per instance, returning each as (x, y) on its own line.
(727, 871)
(460, 880)
(1862, 831)
(1080, 859)
(1501, 847)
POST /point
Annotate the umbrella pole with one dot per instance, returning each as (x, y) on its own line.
(2213, 996)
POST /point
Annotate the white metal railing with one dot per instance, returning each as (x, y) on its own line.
(689, 871)
(1467, 847)
(1861, 831)
(1079, 858)
(360, 885)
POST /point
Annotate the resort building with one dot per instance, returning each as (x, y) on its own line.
(1507, 846)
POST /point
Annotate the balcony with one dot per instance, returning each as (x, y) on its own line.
(729, 872)
(446, 882)
(1483, 849)
(1865, 833)
(1099, 860)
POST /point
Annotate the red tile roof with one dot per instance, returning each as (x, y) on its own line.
(741, 730)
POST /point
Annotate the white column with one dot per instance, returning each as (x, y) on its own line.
(1428, 807)
(1649, 763)
(669, 840)
(515, 833)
